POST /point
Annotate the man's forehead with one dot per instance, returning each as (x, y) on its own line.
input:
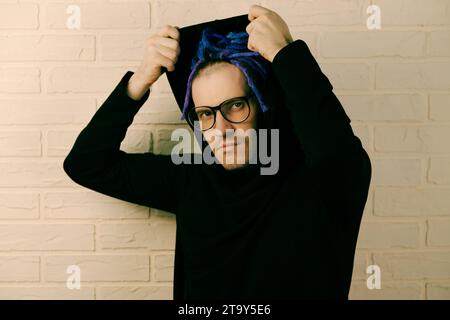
(216, 95)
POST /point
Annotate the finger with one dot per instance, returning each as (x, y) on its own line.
(168, 42)
(166, 62)
(255, 11)
(168, 52)
(169, 31)
(250, 27)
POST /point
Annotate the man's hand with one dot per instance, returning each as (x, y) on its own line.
(268, 33)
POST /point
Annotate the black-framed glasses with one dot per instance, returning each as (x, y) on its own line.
(234, 110)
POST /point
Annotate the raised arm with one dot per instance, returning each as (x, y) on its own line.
(320, 122)
(323, 129)
(96, 161)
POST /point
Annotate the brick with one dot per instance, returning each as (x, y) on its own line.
(438, 291)
(182, 13)
(388, 291)
(22, 205)
(19, 16)
(136, 236)
(412, 202)
(33, 174)
(417, 75)
(19, 80)
(163, 267)
(46, 293)
(387, 235)
(440, 107)
(439, 44)
(19, 269)
(360, 264)
(363, 44)
(421, 139)
(414, 12)
(320, 12)
(104, 15)
(385, 107)
(48, 48)
(123, 47)
(89, 205)
(347, 76)
(414, 265)
(59, 142)
(395, 172)
(84, 79)
(20, 143)
(123, 267)
(32, 237)
(439, 171)
(438, 233)
(136, 293)
(46, 111)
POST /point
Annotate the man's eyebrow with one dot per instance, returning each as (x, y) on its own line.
(238, 96)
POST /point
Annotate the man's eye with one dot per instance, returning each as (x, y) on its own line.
(237, 105)
(203, 114)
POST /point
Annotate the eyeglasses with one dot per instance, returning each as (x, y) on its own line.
(234, 110)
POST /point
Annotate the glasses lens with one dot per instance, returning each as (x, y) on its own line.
(236, 110)
(203, 115)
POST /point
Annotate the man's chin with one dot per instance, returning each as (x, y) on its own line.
(231, 162)
(234, 166)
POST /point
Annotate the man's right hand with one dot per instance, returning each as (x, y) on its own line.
(162, 50)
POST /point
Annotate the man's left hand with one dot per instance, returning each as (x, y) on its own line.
(268, 32)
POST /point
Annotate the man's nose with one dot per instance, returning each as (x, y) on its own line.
(221, 123)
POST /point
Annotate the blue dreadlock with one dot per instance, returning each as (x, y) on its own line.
(233, 49)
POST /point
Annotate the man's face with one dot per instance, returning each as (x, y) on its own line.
(211, 87)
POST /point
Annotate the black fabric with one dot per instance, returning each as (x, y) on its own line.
(241, 234)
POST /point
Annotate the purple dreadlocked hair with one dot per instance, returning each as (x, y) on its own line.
(231, 48)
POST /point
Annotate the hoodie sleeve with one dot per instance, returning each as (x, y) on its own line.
(320, 123)
(96, 161)
(322, 127)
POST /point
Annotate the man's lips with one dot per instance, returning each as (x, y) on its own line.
(229, 144)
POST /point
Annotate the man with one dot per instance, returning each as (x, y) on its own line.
(240, 234)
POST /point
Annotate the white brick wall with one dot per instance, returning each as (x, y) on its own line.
(394, 84)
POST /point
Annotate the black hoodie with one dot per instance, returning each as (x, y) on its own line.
(241, 234)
